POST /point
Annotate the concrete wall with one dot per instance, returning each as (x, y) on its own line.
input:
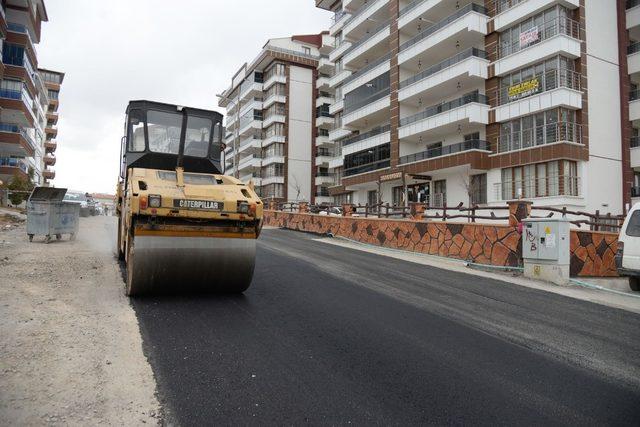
(300, 135)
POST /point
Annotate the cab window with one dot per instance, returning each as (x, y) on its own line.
(633, 227)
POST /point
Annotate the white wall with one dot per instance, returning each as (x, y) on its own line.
(602, 179)
(300, 135)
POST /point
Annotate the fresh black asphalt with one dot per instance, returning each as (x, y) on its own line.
(328, 335)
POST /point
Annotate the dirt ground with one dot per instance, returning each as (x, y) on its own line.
(70, 347)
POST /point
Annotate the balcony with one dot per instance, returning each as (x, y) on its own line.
(324, 119)
(551, 186)
(633, 58)
(50, 146)
(447, 150)
(338, 21)
(250, 162)
(548, 134)
(369, 47)
(467, 69)
(443, 118)
(634, 105)
(272, 99)
(325, 66)
(416, 11)
(377, 136)
(556, 36)
(369, 167)
(336, 106)
(49, 160)
(268, 140)
(16, 107)
(338, 132)
(324, 179)
(366, 74)
(635, 152)
(271, 158)
(466, 27)
(249, 125)
(510, 12)
(338, 78)
(323, 141)
(359, 23)
(374, 107)
(272, 179)
(15, 141)
(633, 14)
(48, 174)
(322, 83)
(339, 51)
(323, 156)
(324, 98)
(274, 118)
(251, 177)
(273, 79)
(251, 144)
(336, 162)
(51, 131)
(555, 88)
(10, 166)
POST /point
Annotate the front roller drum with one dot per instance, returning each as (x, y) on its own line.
(162, 264)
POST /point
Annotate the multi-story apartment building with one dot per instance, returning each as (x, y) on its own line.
(52, 82)
(472, 101)
(273, 105)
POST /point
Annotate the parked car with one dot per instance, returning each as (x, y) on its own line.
(81, 199)
(627, 257)
(330, 211)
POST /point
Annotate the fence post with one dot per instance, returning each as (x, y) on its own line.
(518, 210)
(303, 207)
(347, 209)
(444, 210)
(597, 221)
(387, 210)
(417, 210)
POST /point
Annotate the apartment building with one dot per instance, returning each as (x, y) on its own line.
(23, 95)
(52, 82)
(471, 101)
(273, 105)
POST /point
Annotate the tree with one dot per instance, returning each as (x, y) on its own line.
(19, 189)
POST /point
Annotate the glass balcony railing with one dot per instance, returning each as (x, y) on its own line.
(444, 65)
(552, 79)
(4, 127)
(14, 163)
(474, 144)
(366, 68)
(446, 106)
(380, 164)
(19, 95)
(504, 5)
(635, 142)
(366, 101)
(634, 95)
(554, 27)
(632, 3)
(369, 36)
(472, 7)
(373, 132)
(540, 135)
(633, 48)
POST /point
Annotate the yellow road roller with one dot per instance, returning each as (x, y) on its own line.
(182, 224)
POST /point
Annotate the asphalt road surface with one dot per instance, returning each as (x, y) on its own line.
(328, 335)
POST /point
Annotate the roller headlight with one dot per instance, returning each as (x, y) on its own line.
(243, 207)
(155, 201)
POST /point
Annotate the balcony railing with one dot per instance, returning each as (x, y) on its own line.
(552, 79)
(362, 11)
(17, 94)
(323, 114)
(474, 144)
(337, 16)
(4, 127)
(444, 65)
(20, 28)
(540, 135)
(633, 48)
(504, 5)
(248, 160)
(365, 101)
(361, 137)
(324, 174)
(549, 186)
(634, 95)
(370, 66)
(547, 30)
(447, 106)
(632, 3)
(371, 35)
(14, 163)
(472, 7)
(380, 164)
(324, 192)
(635, 142)
(408, 8)
(324, 152)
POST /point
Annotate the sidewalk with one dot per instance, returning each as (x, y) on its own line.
(624, 299)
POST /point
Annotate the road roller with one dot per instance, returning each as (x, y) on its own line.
(182, 224)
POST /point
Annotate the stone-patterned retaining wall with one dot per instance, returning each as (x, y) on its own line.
(480, 243)
(592, 254)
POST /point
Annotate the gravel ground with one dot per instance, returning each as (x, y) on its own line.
(70, 346)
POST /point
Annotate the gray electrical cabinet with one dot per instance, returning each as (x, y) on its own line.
(546, 248)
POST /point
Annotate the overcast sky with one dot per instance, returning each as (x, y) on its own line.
(180, 52)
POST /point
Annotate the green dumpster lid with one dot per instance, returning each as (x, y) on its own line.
(48, 194)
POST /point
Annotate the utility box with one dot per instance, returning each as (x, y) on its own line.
(546, 249)
(48, 215)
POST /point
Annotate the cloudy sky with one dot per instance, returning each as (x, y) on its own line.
(180, 52)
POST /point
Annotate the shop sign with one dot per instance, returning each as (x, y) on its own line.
(523, 89)
(529, 37)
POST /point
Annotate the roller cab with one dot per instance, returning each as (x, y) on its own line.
(182, 224)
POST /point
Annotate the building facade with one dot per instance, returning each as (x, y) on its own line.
(272, 106)
(479, 102)
(23, 94)
(52, 82)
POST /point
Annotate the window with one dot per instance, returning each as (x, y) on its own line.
(53, 94)
(542, 128)
(397, 197)
(633, 227)
(136, 131)
(198, 135)
(439, 196)
(273, 150)
(367, 160)
(478, 189)
(164, 131)
(277, 89)
(556, 178)
(306, 50)
(277, 69)
(276, 129)
(372, 197)
(276, 109)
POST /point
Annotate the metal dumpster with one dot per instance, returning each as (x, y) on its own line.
(49, 216)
